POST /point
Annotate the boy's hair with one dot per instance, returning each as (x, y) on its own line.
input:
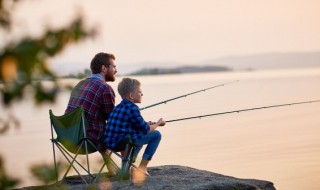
(127, 85)
(99, 60)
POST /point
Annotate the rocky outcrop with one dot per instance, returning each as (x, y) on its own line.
(169, 177)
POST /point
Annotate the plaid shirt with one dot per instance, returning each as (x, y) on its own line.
(98, 100)
(125, 119)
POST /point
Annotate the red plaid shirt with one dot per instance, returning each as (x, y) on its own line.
(98, 100)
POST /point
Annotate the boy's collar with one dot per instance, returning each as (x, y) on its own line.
(126, 100)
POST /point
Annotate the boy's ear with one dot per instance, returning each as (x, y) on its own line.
(130, 96)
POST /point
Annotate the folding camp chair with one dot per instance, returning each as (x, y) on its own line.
(70, 130)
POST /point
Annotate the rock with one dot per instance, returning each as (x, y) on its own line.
(168, 177)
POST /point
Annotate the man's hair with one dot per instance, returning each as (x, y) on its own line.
(99, 60)
(127, 85)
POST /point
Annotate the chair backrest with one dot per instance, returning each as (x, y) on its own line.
(70, 128)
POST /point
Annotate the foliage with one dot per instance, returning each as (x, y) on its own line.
(23, 64)
(6, 182)
(46, 172)
(23, 68)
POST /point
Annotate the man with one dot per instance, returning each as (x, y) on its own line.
(96, 97)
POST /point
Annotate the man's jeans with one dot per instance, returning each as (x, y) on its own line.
(152, 140)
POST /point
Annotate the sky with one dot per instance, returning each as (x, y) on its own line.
(177, 31)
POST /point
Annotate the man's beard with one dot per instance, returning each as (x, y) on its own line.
(109, 77)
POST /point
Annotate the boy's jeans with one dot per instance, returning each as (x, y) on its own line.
(152, 140)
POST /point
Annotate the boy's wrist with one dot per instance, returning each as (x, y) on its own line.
(153, 127)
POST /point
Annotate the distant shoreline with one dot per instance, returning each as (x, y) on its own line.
(180, 70)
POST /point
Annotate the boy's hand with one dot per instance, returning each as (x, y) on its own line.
(161, 122)
(151, 123)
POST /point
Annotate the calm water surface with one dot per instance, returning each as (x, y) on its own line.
(281, 145)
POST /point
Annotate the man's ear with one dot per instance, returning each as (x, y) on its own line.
(103, 68)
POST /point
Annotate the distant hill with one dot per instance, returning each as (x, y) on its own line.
(246, 62)
(177, 70)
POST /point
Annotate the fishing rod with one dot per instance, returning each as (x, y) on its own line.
(242, 110)
(185, 95)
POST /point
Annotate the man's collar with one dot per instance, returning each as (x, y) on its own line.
(96, 76)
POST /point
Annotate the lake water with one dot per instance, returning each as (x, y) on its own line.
(281, 145)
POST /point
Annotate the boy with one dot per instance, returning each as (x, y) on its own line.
(125, 119)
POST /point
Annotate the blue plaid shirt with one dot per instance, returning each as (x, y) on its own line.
(125, 119)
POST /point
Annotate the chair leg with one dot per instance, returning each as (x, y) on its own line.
(98, 175)
(126, 161)
(88, 164)
(70, 156)
(105, 162)
(109, 161)
(71, 165)
(55, 162)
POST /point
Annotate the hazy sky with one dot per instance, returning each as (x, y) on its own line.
(184, 31)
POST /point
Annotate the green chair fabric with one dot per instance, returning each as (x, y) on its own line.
(71, 130)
